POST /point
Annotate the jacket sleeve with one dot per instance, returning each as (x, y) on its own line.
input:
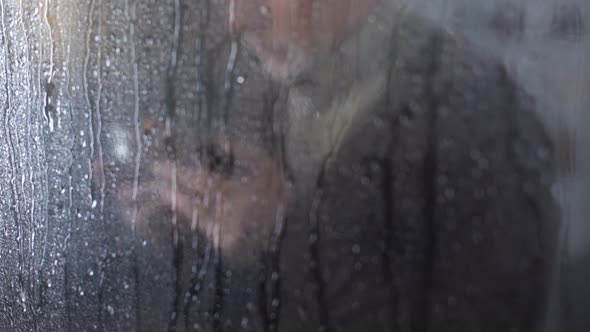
(491, 223)
(436, 214)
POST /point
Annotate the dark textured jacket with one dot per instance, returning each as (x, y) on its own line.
(422, 194)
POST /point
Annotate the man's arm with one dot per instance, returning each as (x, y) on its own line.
(437, 208)
(492, 222)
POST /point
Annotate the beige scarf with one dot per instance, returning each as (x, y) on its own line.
(350, 84)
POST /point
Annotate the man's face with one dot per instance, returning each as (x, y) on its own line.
(288, 36)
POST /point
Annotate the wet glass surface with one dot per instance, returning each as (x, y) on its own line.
(294, 165)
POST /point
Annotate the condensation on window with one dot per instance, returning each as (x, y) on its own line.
(294, 165)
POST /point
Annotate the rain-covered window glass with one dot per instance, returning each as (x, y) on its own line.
(294, 165)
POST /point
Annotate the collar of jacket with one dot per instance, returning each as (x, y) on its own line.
(349, 84)
(345, 86)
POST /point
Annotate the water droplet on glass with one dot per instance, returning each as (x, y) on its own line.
(264, 10)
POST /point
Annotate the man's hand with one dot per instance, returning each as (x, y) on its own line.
(229, 209)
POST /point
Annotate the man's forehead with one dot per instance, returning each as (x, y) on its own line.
(342, 5)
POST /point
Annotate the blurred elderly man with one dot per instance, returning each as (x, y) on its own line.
(420, 173)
